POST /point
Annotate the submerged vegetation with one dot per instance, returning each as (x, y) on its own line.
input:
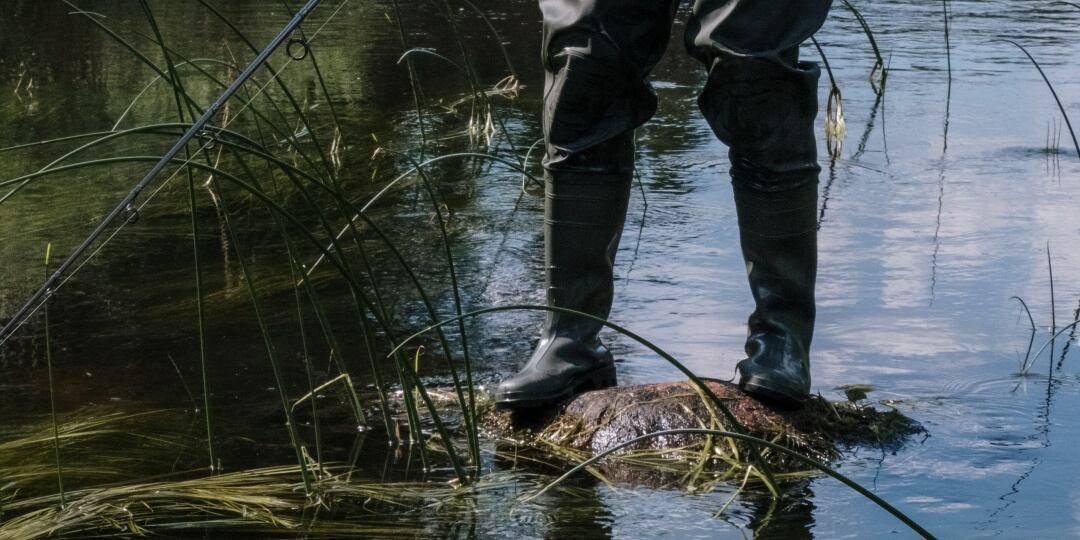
(347, 316)
(271, 500)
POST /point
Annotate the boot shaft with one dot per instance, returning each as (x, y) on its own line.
(778, 234)
(583, 221)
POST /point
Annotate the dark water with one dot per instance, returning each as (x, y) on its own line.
(922, 245)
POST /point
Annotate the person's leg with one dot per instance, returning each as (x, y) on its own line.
(597, 54)
(761, 101)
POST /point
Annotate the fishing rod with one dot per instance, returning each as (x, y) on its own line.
(46, 290)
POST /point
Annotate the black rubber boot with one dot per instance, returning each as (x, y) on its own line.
(778, 231)
(764, 108)
(583, 220)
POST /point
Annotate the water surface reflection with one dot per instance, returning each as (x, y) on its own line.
(921, 248)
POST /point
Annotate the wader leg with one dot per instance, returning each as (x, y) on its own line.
(761, 101)
(597, 54)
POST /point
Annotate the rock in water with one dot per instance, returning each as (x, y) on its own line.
(599, 420)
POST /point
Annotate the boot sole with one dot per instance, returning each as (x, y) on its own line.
(596, 379)
(762, 388)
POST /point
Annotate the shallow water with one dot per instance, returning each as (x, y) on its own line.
(922, 245)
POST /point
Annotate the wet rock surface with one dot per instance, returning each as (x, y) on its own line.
(599, 420)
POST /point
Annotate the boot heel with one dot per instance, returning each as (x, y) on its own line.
(603, 377)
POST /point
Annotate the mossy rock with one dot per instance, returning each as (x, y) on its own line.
(599, 420)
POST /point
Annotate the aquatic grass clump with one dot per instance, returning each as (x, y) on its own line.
(185, 105)
(835, 126)
(759, 465)
(597, 421)
(98, 445)
(820, 428)
(187, 108)
(266, 157)
(1029, 358)
(270, 501)
(108, 450)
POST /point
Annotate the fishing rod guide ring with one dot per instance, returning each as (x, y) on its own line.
(291, 51)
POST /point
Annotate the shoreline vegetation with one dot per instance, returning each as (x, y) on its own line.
(276, 159)
(271, 500)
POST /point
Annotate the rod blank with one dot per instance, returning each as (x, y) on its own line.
(47, 289)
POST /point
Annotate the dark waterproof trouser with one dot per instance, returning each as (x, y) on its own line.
(759, 100)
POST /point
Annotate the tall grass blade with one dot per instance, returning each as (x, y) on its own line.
(308, 371)
(178, 91)
(1053, 308)
(1072, 336)
(326, 161)
(52, 389)
(271, 353)
(155, 80)
(346, 382)
(200, 317)
(835, 127)
(1027, 355)
(879, 73)
(381, 313)
(495, 35)
(401, 177)
(1057, 100)
(414, 85)
(468, 407)
(948, 65)
(1054, 336)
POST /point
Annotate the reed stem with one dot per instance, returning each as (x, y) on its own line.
(52, 387)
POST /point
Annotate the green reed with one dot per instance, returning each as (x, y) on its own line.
(234, 241)
(312, 215)
(945, 16)
(313, 241)
(52, 388)
(469, 407)
(1053, 306)
(879, 73)
(763, 468)
(414, 85)
(200, 298)
(835, 127)
(1031, 340)
(1065, 115)
(1072, 337)
(1029, 358)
